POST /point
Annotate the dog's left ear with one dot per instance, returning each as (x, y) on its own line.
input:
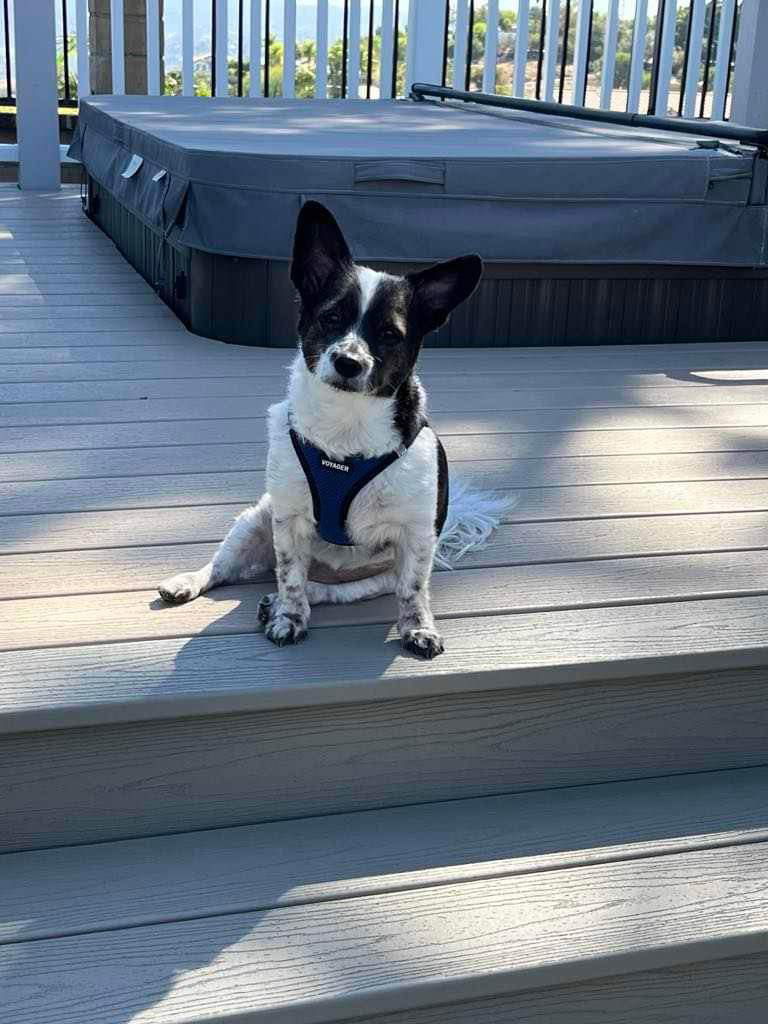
(438, 290)
(320, 252)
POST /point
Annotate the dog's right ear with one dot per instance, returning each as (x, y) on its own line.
(320, 252)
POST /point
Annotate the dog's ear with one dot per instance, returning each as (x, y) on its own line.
(319, 251)
(438, 290)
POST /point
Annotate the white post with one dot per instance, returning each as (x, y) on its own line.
(750, 89)
(321, 51)
(425, 42)
(222, 48)
(690, 86)
(491, 46)
(83, 61)
(639, 33)
(187, 48)
(521, 46)
(723, 57)
(37, 113)
(353, 51)
(551, 40)
(154, 85)
(117, 37)
(460, 43)
(254, 50)
(609, 55)
(387, 49)
(289, 48)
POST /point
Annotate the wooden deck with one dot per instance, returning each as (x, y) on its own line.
(614, 631)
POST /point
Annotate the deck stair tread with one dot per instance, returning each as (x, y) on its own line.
(438, 902)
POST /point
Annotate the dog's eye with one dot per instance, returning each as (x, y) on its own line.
(331, 319)
(391, 337)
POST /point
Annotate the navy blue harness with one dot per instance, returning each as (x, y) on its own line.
(335, 483)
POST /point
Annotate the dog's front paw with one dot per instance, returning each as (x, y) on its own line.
(426, 643)
(179, 589)
(286, 628)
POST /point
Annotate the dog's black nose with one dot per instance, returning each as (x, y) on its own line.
(347, 367)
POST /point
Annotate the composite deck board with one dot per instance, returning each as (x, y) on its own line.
(50, 893)
(141, 615)
(97, 552)
(397, 951)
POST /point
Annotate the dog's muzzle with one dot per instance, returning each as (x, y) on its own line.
(346, 365)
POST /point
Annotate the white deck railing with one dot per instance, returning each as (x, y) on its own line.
(695, 58)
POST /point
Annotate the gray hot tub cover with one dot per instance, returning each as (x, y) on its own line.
(415, 181)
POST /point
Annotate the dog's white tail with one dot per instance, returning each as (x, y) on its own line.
(472, 517)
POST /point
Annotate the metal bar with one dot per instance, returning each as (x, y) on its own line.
(117, 40)
(154, 85)
(353, 74)
(639, 32)
(666, 49)
(65, 46)
(470, 37)
(564, 61)
(722, 61)
(369, 56)
(521, 45)
(83, 65)
(239, 47)
(213, 47)
(609, 55)
(698, 129)
(188, 48)
(344, 49)
(540, 59)
(321, 50)
(550, 48)
(491, 46)
(7, 40)
(395, 47)
(266, 47)
(686, 58)
(708, 58)
(695, 36)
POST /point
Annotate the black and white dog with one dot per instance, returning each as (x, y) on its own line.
(357, 482)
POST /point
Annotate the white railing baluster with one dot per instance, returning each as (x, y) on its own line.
(724, 37)
(691, 85)
(321, 51)
(521, 46)
(153, 47)
(426, 19)
(665, 57)
(83, 60)
(254, 50)
(491, 46)
(581, 54)
(117, 41)
(289, 48)
(638, 55)
(188, 48)
(609, 55)
(460, 40)
(37, 117)
(551, 40)
(387, 49)
(353, 51)
(222, 48)
(749, 103)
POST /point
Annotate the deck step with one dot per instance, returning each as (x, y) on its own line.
(103, 742)
(641, 902)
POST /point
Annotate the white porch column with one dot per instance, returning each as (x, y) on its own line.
(750, 77)
(37, 116)
(426, 24)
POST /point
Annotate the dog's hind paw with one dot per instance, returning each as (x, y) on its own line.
(179, 589)
(426, 643)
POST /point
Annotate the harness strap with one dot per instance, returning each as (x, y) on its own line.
(335, 483)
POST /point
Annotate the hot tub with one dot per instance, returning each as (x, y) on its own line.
(590, 233)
